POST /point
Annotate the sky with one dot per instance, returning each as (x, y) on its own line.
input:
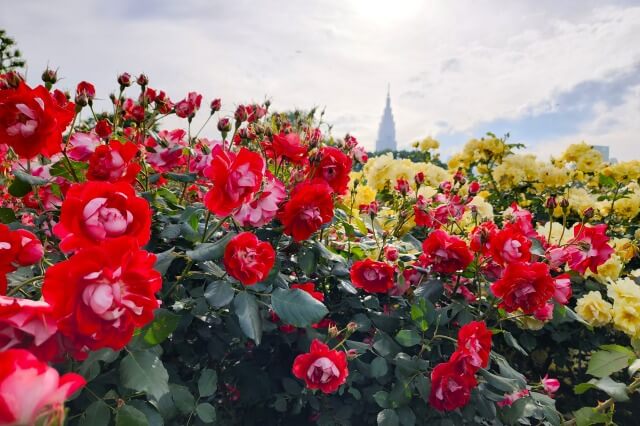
(548, 73)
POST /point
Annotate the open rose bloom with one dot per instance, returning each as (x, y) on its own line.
(182, 259)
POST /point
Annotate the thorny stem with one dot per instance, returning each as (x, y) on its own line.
(609, 402)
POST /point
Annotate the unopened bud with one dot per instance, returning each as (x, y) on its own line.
(224, 125)
(142, 80)
(333, 331)
(241, 114)
(419, 178)
(49, 77)
(551, 203)
(474, 187)
(352, 327)
(124, 80)
(216, 104)
(588, 213)
(352, 354)
(564, 203)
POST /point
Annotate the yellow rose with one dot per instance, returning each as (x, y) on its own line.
(624, 290)
(608, 271)
(556, 232)
(594, 310)
(624, 248)
(626, 317)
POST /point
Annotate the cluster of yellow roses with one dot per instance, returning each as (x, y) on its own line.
(575, 176)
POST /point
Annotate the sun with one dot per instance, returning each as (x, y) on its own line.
(385, 10)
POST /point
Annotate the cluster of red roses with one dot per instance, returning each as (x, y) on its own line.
(453, 380)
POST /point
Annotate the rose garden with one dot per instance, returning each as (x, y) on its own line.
(278, 275)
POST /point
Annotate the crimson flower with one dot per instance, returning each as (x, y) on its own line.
(322, 368)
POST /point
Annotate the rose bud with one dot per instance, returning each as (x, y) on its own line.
(216, 104)
(402, 186)
(13, 79)
(459, 177)
(588, 213)
(81, 101)
(87, 89)
(446, 186)
(419, 178)
(391, 253)
(474, 187)
(241, 114)
(550, 385)
(142, 80)
(551, 203)
(224, 125)
(49, 77)
(31, 250)
(103, 128)
(124, 80)
(564, 203)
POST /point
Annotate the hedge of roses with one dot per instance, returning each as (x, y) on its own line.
(275, 275)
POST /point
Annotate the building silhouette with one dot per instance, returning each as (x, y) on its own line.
(387, 132)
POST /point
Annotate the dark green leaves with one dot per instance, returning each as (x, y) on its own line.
(144, 372)
(163, 325)
(606, 362)
(7, 215)
(408, 338)
(246, 308)
(219, 294)
(297, 307)
(210, 251)
(130, 416)
(207, 383)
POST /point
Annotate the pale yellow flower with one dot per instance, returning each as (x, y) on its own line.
(594, 309)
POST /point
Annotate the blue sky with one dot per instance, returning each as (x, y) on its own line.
(549, 73)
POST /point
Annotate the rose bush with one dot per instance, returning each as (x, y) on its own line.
(154, 276)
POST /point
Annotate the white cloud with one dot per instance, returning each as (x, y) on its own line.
(451, 65)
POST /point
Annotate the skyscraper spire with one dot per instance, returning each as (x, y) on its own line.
(387, 131)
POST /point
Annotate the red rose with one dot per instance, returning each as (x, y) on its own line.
(449, 388)
(423, 213)
(235, 178)
(248, 259)
(101, 294)
(9, 245)
(588, 248)
(321, 368)
(481, 236)
(31, 392)
(526, 286)
(311, 289)
(309, 208)
(474, 342)
(509, 245)
(445, 253)
(103, 129)
(333, 168)
(114, 162)
(94, 212)
(31, 250)
(287, 146)
(372, 276)
(562, 292)
(189, 105)
(28, 324)
(32, 121)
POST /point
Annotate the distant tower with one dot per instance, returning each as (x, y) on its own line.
(387, 131)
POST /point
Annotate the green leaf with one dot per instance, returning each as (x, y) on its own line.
(7, 215)
(588, 416)
(144, 372)
(206, 412)
(163, 325)
(207, 383)
(210, 251)
(583, 387)
(130, 416)
(423, 385)
(280, 405)
(182, 397)
(61, 168)
(297, 307)
(219, 294)
(408, 338)
(616, 390)
(382, 398)
(19, 188)
(407, 416)
(246, 308)
(379, 367)
(30, 179)
(163, 260)
(620, 349)
(501, 383)
(182, 177)
(604, 363)
(96, 414)
(308, 260)
(607, 181)
(388, 417)
(511, 341)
